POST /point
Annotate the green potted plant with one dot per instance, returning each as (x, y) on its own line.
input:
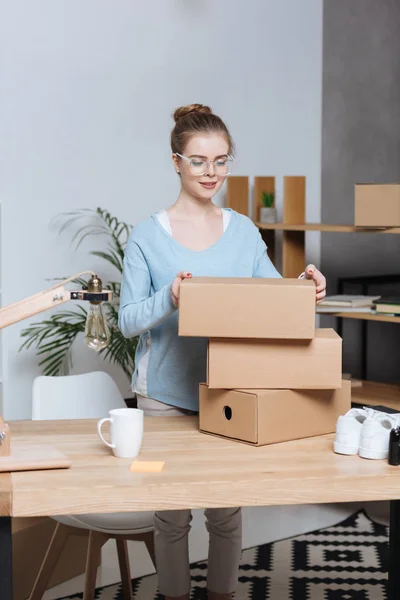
(268, 213)
(54, 337)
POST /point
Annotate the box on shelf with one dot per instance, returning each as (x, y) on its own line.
(247, 308)
(31, 538)
(377, 205)
(280, 364)
(261, 417)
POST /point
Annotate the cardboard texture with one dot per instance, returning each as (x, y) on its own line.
(280, 364)
(261, 417)
(377, 205)
(225, 307)
(31, 538)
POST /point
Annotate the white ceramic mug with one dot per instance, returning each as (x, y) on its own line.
(126, 431)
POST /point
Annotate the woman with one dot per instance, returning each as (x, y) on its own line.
(196, 237)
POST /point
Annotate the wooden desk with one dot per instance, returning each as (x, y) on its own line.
(200, 471)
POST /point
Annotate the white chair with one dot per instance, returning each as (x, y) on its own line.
(87, 396)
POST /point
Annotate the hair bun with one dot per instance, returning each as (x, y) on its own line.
(183, 111)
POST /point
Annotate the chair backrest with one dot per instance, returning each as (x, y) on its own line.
(86, 396)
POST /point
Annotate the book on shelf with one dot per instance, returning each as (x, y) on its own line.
(349, 301)
(387, 305)
(344, 309)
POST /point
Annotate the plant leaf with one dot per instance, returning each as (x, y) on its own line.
(54, 337)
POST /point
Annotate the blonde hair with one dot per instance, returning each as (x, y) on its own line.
(193, 119)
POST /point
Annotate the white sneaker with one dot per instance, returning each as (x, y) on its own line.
(348, 430)
(375, 434)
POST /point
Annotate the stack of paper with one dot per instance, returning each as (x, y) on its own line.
(347, 303)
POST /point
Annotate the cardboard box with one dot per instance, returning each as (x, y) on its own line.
(280, 364)
(377, 205)
(261, 417)
(31, 538)
(247, 308)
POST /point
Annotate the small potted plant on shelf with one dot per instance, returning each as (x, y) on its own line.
(268, 213)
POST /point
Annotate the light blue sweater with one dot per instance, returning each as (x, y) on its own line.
(176, 365)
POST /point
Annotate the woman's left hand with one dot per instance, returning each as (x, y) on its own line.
(319, 280)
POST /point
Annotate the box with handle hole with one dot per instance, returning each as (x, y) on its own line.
(268, 416)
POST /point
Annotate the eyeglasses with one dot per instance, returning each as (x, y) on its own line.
(199, 166)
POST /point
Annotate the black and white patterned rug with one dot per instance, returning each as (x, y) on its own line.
(347, 561)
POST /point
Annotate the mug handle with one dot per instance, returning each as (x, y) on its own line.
(99, 426)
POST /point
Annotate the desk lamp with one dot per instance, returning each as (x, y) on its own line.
(97, 334)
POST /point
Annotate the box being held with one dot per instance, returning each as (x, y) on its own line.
(276, 364)
(247, 308)
(377, 205)
(261, 417)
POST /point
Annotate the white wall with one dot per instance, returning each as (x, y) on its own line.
(88, 90)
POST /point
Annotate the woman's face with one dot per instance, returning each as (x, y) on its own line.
(202, 179)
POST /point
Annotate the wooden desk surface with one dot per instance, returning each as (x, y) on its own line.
(200, 471)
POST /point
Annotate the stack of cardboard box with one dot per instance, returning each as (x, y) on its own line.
(272, 376)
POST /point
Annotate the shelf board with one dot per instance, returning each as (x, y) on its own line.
(362, 316)
(371, 393)
(324, 228)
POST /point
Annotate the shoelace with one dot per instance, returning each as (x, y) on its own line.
(361, 411)
(372, 413)
(379, 415)
(365, 412)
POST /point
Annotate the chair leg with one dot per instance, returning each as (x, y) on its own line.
(123, 560)
(148, 539)
(56, 546)
(96, 542)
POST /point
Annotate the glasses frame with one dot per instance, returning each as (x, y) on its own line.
(208, 163)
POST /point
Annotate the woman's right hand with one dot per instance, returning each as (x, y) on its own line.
(176, 284)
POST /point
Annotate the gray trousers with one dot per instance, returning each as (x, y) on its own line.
(171, 530)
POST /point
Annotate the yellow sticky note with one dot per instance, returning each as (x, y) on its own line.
(147, 466)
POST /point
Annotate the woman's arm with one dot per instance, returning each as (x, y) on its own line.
(263, 266)
(139, 311)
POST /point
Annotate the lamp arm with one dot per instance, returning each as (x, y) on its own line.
(81, 274)
(54, 296)
(33, 305)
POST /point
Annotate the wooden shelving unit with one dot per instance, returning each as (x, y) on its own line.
(324, 228)
(371, 393)
(362, 316)
(237, 194)
(294, 231)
